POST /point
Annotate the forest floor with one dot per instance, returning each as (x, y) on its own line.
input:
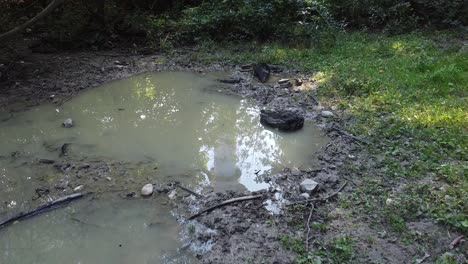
(398, 139)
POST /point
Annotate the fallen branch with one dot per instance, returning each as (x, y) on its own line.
(189, 191)
(41, 208)
(308, 229)
(48, 10)
(421, 260)
(321, 199)
(230, 201)
(456, 241)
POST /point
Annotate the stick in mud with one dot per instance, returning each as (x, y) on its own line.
(230, 201)
(352, 136)
(41, 209)
(189, 191)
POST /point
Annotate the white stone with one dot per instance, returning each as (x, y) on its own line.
(308, 186)
(68, 123)
(283, 81)
(78, 188)
(147, 190)
(172, 195)
(327, 114)
(389, 201)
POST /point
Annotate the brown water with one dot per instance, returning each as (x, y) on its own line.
(177, 122)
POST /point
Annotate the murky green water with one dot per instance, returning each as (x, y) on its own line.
(178, 123)
(106, 230)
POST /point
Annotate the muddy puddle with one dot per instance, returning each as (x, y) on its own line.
(159, 127)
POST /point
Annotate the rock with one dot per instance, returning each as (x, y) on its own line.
(262, 71)
(62, 185)
(284, 120)
(305, 195)
(172, 195)
(147, 190)
(230, 80)
(163, 189)
(285, 83)
(78, 188)
(308, 186)
(67, 123)
(298, 82)
(327, 114)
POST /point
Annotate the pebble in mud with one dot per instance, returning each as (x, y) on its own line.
(67, 123)
(172, 195)
(78, 188)
(308, 186)
(147, 190)
(285, 83)
(327, 114)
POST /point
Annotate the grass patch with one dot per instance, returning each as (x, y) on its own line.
(339, 250)
(408, 95)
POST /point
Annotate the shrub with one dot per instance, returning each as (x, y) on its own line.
(261, 20)
(401, 15)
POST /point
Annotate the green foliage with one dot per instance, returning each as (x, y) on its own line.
(447, 258)
(339, 250)
(289, 21)
(401, 15)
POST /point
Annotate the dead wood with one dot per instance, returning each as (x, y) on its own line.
(230, 201)
(41, 209)
(189, 191)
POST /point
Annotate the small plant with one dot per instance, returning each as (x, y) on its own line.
(191, 229)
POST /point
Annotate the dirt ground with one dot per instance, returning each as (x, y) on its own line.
(244, 232)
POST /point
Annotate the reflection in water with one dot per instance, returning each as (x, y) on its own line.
(176, 119)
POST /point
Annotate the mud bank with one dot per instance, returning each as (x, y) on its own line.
(245, 232)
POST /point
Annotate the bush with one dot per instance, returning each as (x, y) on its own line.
(401, 15)
(261, 20)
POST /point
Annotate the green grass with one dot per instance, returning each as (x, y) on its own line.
(339, 250)
(407, 94)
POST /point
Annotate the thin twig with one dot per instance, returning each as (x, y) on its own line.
(321, 199)
(189, 191)
(308, 228)
(230, 201)
(456, 241)
(352, 136)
